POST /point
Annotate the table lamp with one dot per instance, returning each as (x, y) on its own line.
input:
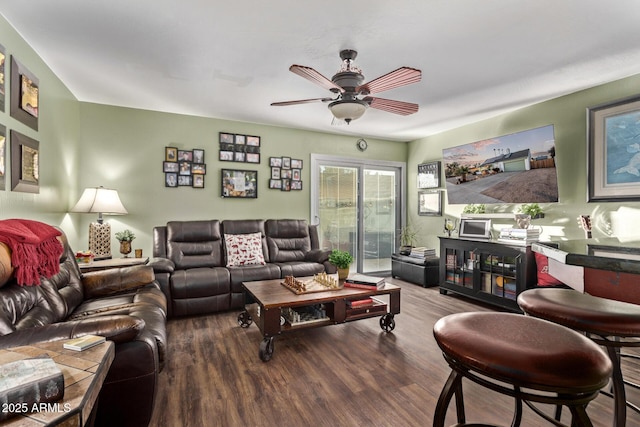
(100, 200)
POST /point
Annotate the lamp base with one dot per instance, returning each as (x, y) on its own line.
(100, 240)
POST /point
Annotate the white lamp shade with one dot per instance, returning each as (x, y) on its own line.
(100, 200)
(348, 110)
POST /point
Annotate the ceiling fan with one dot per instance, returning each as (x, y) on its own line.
(352, 98)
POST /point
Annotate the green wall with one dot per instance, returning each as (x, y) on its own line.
(568, 115)
(123, 148)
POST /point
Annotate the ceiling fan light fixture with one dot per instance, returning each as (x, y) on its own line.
(348, 110)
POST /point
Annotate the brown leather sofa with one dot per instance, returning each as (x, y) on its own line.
(125, 305)
(192, 262)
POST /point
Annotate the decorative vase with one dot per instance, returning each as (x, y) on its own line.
(125, 248)
(343, 273)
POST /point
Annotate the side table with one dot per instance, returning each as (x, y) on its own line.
(105, 264)
(84, 372)
(424, 272)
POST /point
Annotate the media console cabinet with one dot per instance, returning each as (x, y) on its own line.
(491, 272)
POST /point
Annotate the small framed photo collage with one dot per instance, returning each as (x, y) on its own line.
(286, 174)
(239, 148)
(184, 168)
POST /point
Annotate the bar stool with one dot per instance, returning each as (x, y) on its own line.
(612, 324)
(529, 359)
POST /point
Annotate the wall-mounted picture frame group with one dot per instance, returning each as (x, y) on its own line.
(24, 99)
(25, 163)
(238, 183)
(430, 203)
(239, 148)
(286, 173)
(614, 153)
(184, 168)
(429, 175)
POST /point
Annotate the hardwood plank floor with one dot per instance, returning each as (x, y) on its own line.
(351, 374)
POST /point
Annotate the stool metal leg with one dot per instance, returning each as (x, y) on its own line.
(451, 387)
(619, 395)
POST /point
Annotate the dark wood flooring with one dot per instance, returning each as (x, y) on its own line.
(350, 374)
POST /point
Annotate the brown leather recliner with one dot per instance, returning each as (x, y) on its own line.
(125, 305)
(191, 260)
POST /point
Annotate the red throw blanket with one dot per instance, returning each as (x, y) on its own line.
(35, 249)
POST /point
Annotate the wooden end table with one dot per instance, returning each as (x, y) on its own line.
(84, 372)
(272, 300)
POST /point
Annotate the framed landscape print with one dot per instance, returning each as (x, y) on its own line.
(25, 163)
(239, 183)
(614, 151)
(24, 95)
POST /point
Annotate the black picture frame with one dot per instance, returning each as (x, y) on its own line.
(3, 75)
(611, 129)
(3, 157)
(239, 183)
(226, 138)
(198, 181)
(25, 163)
(198, 155)
(169, 167)
(171, 180)
(24, 96)
(430, 203)
(429, 175)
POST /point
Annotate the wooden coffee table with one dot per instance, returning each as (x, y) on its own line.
(277, 309)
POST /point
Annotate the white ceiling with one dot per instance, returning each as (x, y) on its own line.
(230, 59)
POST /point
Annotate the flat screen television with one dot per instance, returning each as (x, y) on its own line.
(514, 168)
(475, 229)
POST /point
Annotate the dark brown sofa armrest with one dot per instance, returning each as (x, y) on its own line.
(116, 280)
(117, 328)
(317, 255)
(162, 265)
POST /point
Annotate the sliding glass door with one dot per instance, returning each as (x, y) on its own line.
(358, 207)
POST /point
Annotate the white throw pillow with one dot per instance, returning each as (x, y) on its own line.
(244, 249)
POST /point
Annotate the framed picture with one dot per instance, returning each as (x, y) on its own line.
(275, 184)
(170, 166)
(275, 162)
(286, 185)
(185, 155)
(198, 155)
(185, 168)
(296, 164)
(296, 185)
(253, 157)
(286, 163)
(275, 173)
(240, 139)
(171, 179)
(226, 138)
(24, 95)
(3, 57)
(614, 153)
(198, 169)
(239, 156)
(25, 164)
(430, 203)
(185, 181)
(170, 154)
(285, 173)
(239, 183)
(226, 156)
(295, 174)
(198, 181)
(429, 175)
(3, 156)
(253, 140)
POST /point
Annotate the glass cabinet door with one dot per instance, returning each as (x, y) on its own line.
(498, 274)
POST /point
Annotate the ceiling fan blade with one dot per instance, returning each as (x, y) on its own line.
(391, 106)
(315, 77)
(401, 77)
(300, 101)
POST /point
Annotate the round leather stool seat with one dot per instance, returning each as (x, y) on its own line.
(582, 312)
(612, 324)
(524, 352)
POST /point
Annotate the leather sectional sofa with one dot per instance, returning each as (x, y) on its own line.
(197, 265)
(125, 305)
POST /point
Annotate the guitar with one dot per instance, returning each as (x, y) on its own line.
(585, 223)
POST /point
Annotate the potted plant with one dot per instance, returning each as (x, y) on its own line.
(407, 239)
(475, 209)
(342, 260)
(125, 238)
(532, 209)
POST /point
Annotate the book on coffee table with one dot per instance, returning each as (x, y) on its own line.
(83, 343)
(358, 280)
